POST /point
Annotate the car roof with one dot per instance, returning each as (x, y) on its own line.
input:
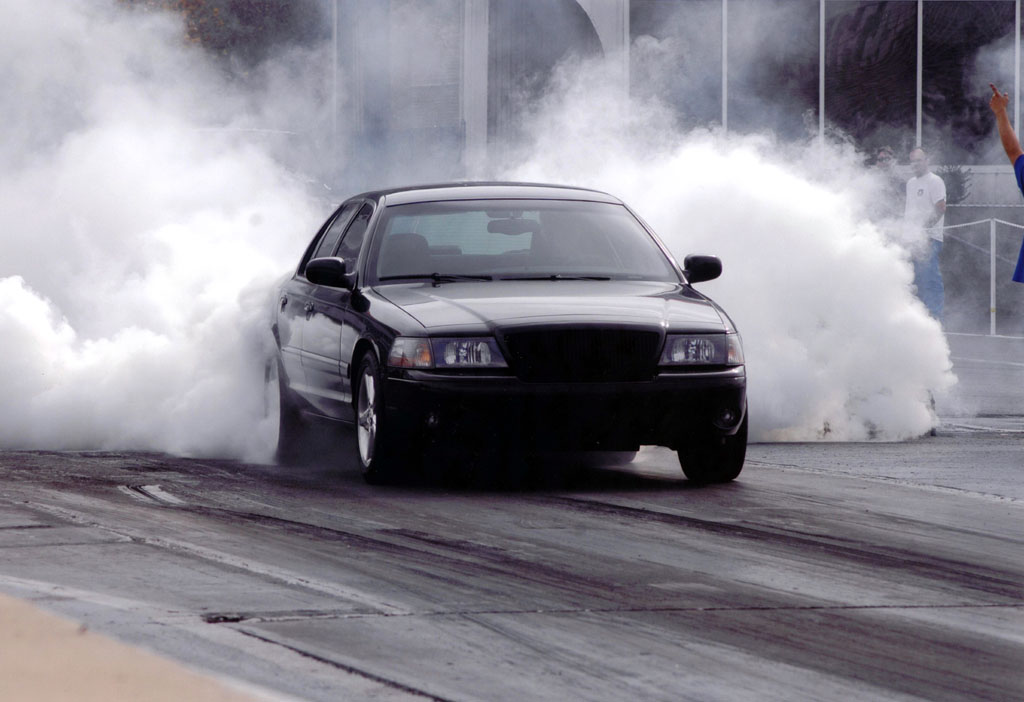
(485, 191)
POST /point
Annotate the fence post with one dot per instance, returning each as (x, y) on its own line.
(992, 277)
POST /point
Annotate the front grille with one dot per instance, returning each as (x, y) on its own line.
(583, 355)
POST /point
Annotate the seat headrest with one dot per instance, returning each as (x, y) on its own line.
(404, 254)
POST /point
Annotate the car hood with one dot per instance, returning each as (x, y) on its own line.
(464, 306)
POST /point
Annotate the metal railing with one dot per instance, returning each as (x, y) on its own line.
(993, 258)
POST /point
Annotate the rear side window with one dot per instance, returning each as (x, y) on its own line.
(353, 239)
(333, 234)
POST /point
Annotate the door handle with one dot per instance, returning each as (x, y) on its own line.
(308, 309)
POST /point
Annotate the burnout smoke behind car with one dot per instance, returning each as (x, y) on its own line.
(837, 345)
(139, 243)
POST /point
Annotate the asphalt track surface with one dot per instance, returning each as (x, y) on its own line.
(858, 571)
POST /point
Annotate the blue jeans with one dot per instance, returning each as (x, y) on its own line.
(928, 279)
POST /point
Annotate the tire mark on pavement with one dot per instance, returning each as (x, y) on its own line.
(975, 576)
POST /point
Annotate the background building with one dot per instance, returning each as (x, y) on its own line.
(448, 77)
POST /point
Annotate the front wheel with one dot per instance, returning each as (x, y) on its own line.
(383, 454)
(717, 459)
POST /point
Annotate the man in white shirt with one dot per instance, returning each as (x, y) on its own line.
(925, 214)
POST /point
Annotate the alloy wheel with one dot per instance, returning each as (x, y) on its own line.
(366, 416)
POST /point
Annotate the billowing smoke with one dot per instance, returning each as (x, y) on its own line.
(838, 347)
(141, 229)
(145, 214)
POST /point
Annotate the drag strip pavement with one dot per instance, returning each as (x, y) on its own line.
(794, 583)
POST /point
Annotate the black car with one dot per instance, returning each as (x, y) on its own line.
(505, 317)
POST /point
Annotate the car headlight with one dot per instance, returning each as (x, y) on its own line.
(467, 353)
(702, 350)
(461, 352)
(410, 352)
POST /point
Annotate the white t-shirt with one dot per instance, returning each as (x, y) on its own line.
(922, 194)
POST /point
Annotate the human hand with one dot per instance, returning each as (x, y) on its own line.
(998, 102)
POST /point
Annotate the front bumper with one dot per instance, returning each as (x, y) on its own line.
(504, 413)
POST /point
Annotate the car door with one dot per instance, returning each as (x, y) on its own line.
(295, 305)
(327, 323)
(293, 298)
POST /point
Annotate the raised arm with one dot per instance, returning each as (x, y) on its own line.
(998, 103)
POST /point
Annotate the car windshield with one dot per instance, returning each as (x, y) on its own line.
(517, 239)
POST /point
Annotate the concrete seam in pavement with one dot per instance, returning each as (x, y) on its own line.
(347, 668)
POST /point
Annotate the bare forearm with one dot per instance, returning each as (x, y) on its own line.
(1006, 135)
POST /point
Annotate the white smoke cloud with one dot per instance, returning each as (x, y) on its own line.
(143, 224)
(138, 241)
(837, 345)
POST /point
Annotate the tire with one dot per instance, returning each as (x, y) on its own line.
(717, 459)
(383, 453)
(290, 441)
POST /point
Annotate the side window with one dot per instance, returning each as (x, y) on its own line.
(353, 239)
(331, 236)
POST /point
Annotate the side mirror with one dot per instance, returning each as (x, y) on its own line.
(331, 272)
(699, 268)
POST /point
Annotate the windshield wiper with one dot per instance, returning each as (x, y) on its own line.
(558, 276)
(437, 277)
